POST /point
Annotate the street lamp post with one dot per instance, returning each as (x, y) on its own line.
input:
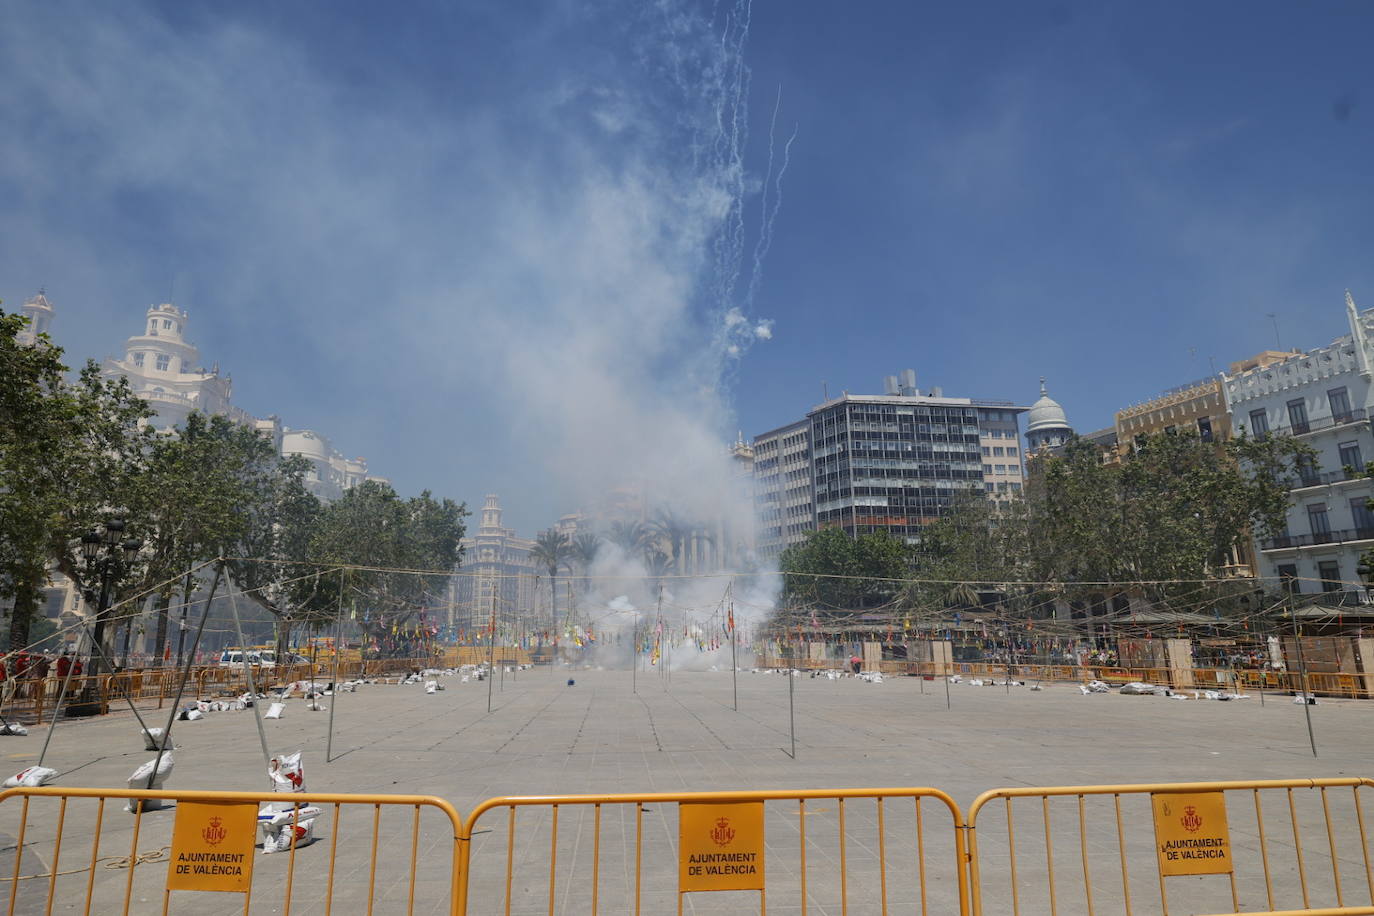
(109, 554)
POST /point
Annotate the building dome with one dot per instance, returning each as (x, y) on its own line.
(1046, 413)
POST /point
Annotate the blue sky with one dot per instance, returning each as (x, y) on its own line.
(494, 247)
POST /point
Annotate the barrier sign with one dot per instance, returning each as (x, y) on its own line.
(720, 847)
(212, 847)
(1191, 833)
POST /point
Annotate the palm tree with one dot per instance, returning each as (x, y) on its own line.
(551, 550)
(630, 537)
(674, 531)
(584, 549)
(656, 564)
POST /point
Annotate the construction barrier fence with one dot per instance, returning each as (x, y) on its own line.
(1263, 848)
(1267, 846)
(826, 851)
(122, 851)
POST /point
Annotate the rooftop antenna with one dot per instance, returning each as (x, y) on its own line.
(825, 390)
(1274, 319)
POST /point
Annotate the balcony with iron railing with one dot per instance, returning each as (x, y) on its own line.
(1317, 538)
(1325, 478)
(1321, 424)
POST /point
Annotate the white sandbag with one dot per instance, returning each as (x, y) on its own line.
(14, 728)
(1304, 699)
(140, 781)
(431, 686)
(205, 705)
(194, 714)
(281, 827)
(275, 711)
(30, 778)
(1036, 687)
(465, 679)
(153, 739)
(287, 772)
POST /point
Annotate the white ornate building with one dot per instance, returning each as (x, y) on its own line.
(39, 312)
(164, 369)
(1322, 397)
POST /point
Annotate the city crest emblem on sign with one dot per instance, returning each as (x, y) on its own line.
(723, 833)
(215, 833)
(1191, 820)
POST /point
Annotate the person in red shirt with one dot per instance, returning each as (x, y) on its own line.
(64, 664)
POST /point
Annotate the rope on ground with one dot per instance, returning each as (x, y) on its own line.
(141, 858)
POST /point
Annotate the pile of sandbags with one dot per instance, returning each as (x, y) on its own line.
(286, 824)
(1093, 687)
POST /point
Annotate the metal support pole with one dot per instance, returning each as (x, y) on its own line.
(491, 646)
(252, 686)
(186, 674)
(338, 638)
(792, 711)
(1302, 676)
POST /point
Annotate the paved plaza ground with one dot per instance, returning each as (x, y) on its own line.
(597, 736)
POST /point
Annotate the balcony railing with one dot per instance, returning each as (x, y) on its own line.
(1326, 477)
(1287, 541)
(1319, 424)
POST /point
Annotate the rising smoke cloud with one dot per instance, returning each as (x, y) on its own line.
(534, 277)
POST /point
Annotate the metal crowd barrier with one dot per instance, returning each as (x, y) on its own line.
(71, 845)
(1207, 847)
(1262, 848)
(633, 853)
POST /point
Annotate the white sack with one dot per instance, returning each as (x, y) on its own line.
(287, 772)
(139, 780)
(31, 777)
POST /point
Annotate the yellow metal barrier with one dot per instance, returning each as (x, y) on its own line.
(1224, 847)
(831, 850)
(129, 862)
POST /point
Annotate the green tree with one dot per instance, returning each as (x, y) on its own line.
(832, 571)
(274, 546)
(197, 502)
(404, 551)
(67, 456)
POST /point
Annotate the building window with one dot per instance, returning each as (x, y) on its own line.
(167, 322)
(986, 451)
(1320, 523)
(987, 469)
(1307, 472)
(1340, 405)
(138, 358)
(1011, 451)
(1330, 572)
(152, 329)
(1259, 423)
(163, 362)
(1204, 428)
(1015, 487)
(1362, 517)
(1350, 458)
(1297, 415)
(998, 452)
